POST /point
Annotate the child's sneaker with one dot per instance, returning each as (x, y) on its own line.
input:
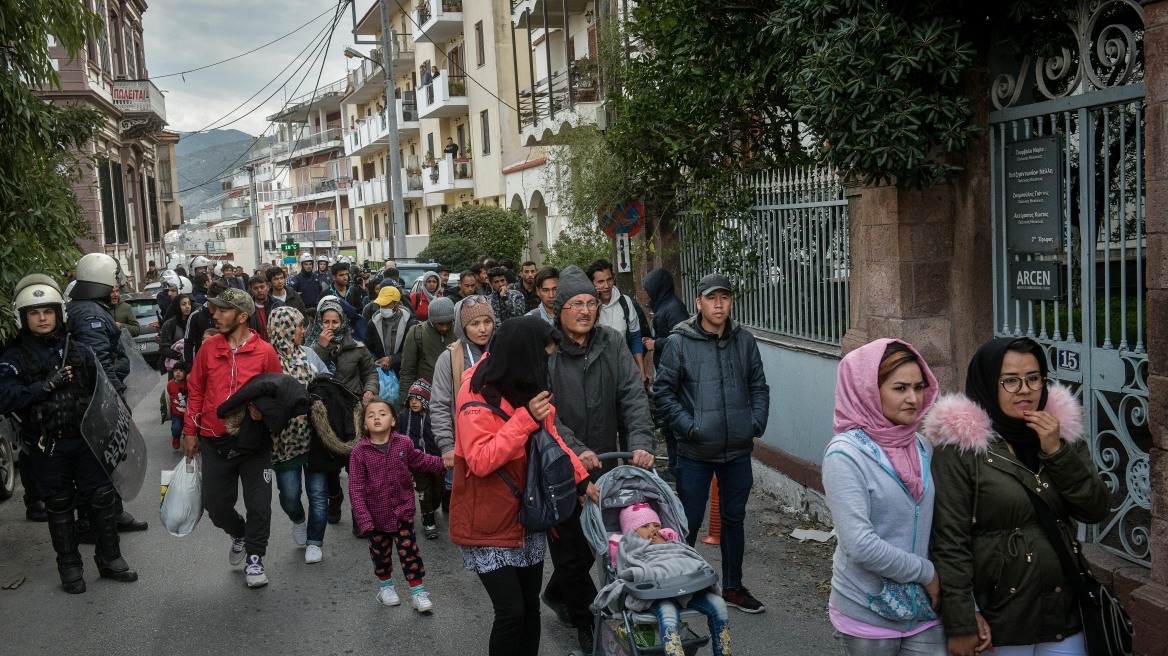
(312, 554)
(300, 533)
(422, 602)
(236, 555)
(388, 596)
(255, 572)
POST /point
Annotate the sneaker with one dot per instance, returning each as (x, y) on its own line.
(431, 531)
(255, 572)
(422, 602)
(300, 533)
(388, 596)
(237, 554)
(741, 599)
(312, 554)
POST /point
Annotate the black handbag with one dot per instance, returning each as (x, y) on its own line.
(1107, 629)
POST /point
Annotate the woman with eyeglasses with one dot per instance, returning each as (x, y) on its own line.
(1010, 435)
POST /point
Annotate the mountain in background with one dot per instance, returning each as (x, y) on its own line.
(204, 158)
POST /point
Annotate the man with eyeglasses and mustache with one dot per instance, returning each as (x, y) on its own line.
(598, 395)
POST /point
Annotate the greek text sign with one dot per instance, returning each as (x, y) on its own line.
(1036, 281)
(1034, 195)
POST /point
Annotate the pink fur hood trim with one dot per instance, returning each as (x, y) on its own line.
(957, 421)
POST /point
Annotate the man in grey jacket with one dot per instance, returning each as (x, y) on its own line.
(716, 417)
(598, 395)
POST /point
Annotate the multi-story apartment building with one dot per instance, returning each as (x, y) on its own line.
(120, 196)
(315, 212)
(456, 129)
(558, 87)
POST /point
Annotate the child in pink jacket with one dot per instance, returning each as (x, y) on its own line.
(382, 493)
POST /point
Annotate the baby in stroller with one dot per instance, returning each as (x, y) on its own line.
(649, 569)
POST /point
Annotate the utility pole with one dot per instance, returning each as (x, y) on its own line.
(255, 216)
(395, 165)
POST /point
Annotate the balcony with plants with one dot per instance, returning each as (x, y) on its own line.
(447, 174)
(444, 97)
(437, 21)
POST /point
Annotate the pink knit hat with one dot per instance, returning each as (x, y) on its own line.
(637, 515)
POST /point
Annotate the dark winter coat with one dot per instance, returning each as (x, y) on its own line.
(24, 368)
(335, 422)
(351, 363)
(987, 543)
(599, 394)
(278, 397)
(197, 324)
(668, 309)
(308, 287)
(420, 350)
(90, 323)
(717, 413)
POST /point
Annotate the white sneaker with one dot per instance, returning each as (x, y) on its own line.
(300, 533)
(422, 602)
(312, 554)
(237, 554)
(388, 596)
(255, 572)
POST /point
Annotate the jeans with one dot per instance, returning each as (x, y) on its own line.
(316, 484)
(1072, 646)
(735, 478)
(707, 603)
(176, 426)
(930, 642)
(514, 593)
(221, 482)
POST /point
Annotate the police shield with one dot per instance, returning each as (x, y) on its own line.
(142, 377)
(110, 432)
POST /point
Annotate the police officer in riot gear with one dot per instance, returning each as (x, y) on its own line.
(201, 264)
(305, 283)
(91, 323)
(47, 379)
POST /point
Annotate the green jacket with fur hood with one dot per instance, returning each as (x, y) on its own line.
(988, 545)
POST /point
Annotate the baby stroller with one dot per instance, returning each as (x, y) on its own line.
(625, 485)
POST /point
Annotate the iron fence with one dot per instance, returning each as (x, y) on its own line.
(787, 255)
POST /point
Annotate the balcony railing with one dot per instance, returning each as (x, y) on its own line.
(444, 97)
(372, 132)
(448, 174)
(285, 150)
(552, 98)
(142, 105)
(436, 21)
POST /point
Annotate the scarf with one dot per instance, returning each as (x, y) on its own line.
(981, 385)
(857, 405)
(430, 295)
(517, 367)
(293, 441)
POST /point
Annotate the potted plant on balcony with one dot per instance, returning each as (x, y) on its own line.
(586, 71)
(457, 87)
(423, 11)
(452, 5)
(429, 158)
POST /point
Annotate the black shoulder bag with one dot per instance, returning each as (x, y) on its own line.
(1107, 629)
(549, 496)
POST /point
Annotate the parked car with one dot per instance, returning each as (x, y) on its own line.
(411, 273)
(146, 309)
(9, 452)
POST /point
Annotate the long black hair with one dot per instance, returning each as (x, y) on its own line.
(517, 367)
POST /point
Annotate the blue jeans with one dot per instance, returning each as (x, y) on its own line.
(930, 642)
(316, 484)
(735, 478)
(707, 603)
(176, 426)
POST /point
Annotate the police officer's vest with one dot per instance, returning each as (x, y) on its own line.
(58, 415)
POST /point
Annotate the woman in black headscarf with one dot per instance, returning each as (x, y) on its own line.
(484, 514)
(1011, 432)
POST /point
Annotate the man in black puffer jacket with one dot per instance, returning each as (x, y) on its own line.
(715, 415)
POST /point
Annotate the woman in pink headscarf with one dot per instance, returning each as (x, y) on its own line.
(884, 589)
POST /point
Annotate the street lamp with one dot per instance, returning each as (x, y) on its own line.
(393, 180)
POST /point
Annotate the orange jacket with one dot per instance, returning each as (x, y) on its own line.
(483, 511)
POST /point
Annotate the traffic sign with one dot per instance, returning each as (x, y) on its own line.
(622, 219)
(624, 259)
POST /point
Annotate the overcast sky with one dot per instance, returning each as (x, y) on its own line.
(181, 35)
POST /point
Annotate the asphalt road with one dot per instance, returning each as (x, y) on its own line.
(188, 600)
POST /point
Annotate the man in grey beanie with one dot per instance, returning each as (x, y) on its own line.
(599, 396)
(423, 344)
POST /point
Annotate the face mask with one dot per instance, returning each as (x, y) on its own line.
(388, 312)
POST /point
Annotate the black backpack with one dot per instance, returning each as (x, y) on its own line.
(549, 498)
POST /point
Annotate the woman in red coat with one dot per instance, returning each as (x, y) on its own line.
(484, 514)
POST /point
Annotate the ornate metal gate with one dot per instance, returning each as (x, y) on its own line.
(1088, 95)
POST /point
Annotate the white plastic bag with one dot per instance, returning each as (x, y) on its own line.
(182, 498)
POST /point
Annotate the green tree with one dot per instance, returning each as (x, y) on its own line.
(40, 218)
(493, 231)
(458, 253)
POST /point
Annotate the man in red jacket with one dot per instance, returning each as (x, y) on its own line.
(223, 365)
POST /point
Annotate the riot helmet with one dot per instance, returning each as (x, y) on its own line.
(35, 295)
(199, 262)
(95, 277)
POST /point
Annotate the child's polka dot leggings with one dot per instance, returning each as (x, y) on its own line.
(381, 545)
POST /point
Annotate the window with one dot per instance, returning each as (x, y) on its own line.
(430, 145)
(485, 131)
(128, 53)
(103, 40)
(479, 47)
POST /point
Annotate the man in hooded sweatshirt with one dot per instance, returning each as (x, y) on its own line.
(668, 311)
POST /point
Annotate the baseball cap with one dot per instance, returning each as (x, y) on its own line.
(388, 294)
(234, 299)
(713, 282)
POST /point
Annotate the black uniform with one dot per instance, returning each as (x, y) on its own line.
(65, 472)
(90, 323)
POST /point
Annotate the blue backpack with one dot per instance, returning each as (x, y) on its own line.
(549, 497)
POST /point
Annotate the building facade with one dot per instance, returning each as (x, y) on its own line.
(120, 195)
